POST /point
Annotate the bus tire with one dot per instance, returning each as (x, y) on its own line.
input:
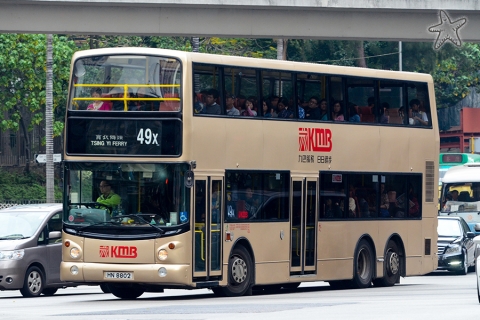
(340, 284)
(291, 285)
(105, 288)
(240, 274)
(363, 265)
(391, 267)
(49, 291)
(125, 292)
(33, 283)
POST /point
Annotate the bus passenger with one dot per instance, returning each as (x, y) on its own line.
(108, 199)
(211, 106)
(353, 113)
(301, 110)
(268, 111)
(384, 118)
(413, 206)
(250, 204)
(337, 114)
(417, 117)
(384, 202)
(98, 104)
(249, 109)
(274, 101)
(230, 106)
(283, 110)
(363, 204)
(313, 112)
(323, 110)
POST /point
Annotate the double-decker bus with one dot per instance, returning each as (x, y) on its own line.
(168, 186)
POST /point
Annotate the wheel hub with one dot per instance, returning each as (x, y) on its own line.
(239, 270)
(393, 263)
(35, 282)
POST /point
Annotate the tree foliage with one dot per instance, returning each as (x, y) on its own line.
(27, 186)
(23, 79)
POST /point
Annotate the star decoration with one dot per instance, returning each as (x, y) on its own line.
(447, 30)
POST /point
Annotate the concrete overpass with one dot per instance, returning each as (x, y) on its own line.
(393, 20)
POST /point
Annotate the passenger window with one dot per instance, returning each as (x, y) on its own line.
(361, 103)
(256, 196)
(418, 105)
(391, 102)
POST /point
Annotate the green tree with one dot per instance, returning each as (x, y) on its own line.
(23, 81)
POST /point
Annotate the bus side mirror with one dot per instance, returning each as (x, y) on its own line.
(477, 227)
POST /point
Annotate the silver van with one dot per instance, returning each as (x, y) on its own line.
(30, 249)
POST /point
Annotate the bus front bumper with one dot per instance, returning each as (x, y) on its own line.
(173, 274)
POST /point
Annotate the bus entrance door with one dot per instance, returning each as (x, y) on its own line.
(207, 242)
(303, 230)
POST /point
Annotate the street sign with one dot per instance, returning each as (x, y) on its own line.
(42, 158)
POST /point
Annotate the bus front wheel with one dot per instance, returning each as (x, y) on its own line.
(363, 265)
(240, 272)
(391, 267)
(125, 292)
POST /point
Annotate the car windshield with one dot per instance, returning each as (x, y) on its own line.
(460, 197)
(19, 224)
(105, 195)
(449, 228)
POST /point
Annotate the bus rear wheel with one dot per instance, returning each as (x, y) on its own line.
(363, 265)
(240, 271)
(125, 292)
(391, 267)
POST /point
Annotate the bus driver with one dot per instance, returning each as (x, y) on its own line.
(108, 199)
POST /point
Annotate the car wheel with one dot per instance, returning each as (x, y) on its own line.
(391, 267)
(363, 265)
(464, 269)
(33, 283)
(125, 292)
(240, 275)
(49, 291)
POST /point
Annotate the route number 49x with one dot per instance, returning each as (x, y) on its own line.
(146, 136)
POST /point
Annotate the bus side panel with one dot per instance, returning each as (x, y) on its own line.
(335, 257)
(270, 249)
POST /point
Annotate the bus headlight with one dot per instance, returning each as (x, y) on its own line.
(75, 253)
(162, 254)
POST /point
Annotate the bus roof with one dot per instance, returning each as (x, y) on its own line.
(469, 172)
(266, 63)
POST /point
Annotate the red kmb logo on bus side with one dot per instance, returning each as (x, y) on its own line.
(118, 252)
(315, 139)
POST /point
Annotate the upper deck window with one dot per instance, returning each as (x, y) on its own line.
(126, 83)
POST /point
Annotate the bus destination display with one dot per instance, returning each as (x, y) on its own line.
(124, 137)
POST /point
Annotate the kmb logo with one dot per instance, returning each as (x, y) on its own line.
(315, 139)
(118, 252)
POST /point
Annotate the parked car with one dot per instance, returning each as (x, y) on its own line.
(456, 249)
(30, 249)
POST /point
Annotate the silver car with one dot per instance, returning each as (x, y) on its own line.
(30, 249)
